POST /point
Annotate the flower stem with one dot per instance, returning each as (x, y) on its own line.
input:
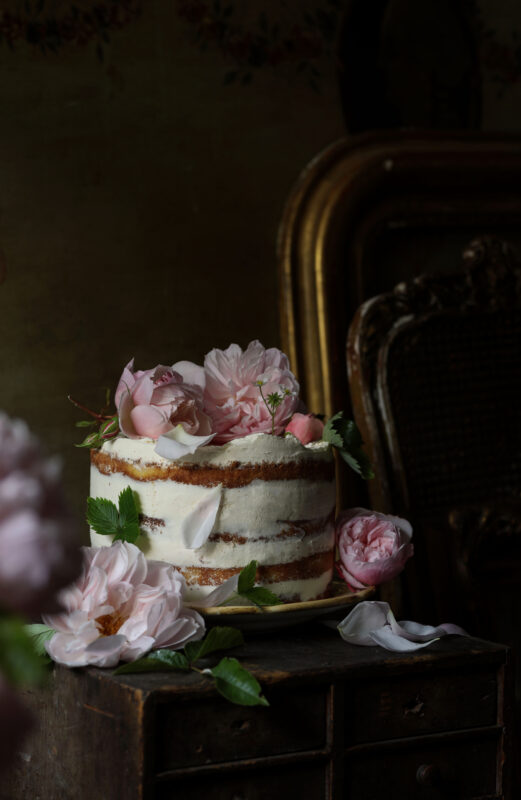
(270, 410)
(101, 417)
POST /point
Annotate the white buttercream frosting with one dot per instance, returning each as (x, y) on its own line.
(257, 448)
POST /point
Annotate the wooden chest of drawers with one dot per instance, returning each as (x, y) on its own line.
(344, 722)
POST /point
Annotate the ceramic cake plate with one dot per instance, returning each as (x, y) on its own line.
(272, 617)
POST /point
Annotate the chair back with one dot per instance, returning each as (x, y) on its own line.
(435, 375)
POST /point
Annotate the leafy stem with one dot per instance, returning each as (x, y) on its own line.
(231, 680)
(108, 423)
(272, 402)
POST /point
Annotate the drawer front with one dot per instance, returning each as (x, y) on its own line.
(400, 707)
(194, 733)
(462, 770)
(301, 780)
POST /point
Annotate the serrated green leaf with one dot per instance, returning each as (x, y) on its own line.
(19, 661)
(260, 596)
(236, 684)
(218, 638)
(345, 436)
(129, 533)
(350, 433)
(156, 661)
(102, 516)
(128, 509)
(330, 434)
(247, 577)
(39, 634)
(362, 466)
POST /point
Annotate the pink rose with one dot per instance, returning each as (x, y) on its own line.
(232, 395)
(122, 607)
(372, 547)
(305, 427)
(15, 722)
(154, 401)
(39, 540)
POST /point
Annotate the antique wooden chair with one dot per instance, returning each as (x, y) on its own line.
(435, 375)
(373, 210)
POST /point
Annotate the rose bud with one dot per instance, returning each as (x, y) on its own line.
(305, 427)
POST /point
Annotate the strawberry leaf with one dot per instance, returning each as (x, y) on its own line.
(247, 577)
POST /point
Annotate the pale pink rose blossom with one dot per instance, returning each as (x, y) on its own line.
(122, 607)
(372, 547)
(305, 427)
(15, 723)
(232, 395)
(39, 540)
(152, 402)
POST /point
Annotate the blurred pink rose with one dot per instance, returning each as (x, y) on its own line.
(122, 607)
(15, 722)
(39, 540)
(372, 547)
(232, 396)
(152, 402)
(306, 427)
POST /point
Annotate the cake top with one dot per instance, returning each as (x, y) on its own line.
(220, 408)
(256, 448)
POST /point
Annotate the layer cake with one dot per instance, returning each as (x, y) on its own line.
(261, 497)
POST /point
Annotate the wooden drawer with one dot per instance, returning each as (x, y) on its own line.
(425, 770)
(300, 780)
(197, 733)
(394, 708)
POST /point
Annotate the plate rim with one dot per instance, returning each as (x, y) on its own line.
(345, 599)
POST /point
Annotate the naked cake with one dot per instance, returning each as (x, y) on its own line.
(271, 499)
(220, 475)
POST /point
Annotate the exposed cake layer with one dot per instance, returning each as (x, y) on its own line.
(290, 591)
(278, 512)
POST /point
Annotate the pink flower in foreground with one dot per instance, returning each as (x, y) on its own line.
(39, 541)
(122, 607)
(372, 547)
(152, 402)
(305, 427)
(232, 396)
(15, 722)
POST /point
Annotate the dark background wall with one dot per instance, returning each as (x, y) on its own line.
(139, 202)
(146, 152)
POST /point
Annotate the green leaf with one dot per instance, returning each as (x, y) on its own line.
(19, 661)
(218, 638)
(274, 400)
(85, 423)
(363, 466)
(102, 515)
(128, 516)
(156, 661)
(260, 596)
(39, 634)
(128, 510)
(247, 577)
(236, 684)
(345, 436)
(92, 440)
(106, 519)
(330, 432)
